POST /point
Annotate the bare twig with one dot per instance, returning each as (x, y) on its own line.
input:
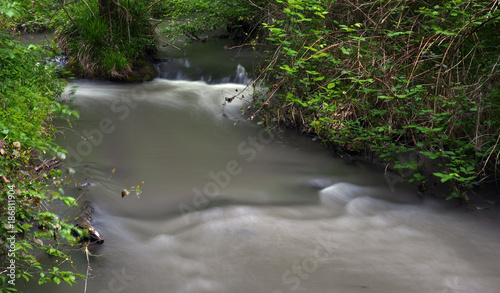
(144, 12)
(491, 153)
(89, 8)
(69, 16)
(88, 267)
(128, 17)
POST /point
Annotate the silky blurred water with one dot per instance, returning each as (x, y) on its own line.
(228, 207)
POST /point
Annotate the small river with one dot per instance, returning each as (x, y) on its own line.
(229, 208)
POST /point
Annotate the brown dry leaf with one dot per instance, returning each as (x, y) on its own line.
(16, 144)
(5, 180)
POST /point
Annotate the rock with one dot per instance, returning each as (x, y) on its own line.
(87, 184)
(84, 222)
(147, 72)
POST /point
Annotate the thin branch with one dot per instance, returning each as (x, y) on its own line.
(472, 32)
(127, 18)
(489, 156)
(69, 16)
(89, 8)
(88, 267)
(144, 12)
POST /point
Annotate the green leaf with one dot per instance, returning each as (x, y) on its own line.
(56, 280)
(69, 201)
(393, 34)
(346, 51)
(430, 155)
(8, 52)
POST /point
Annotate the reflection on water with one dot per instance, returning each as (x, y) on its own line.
(228, 208)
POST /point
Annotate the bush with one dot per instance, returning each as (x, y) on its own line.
(392, 79)
(104, 40)
(197, 18)
(28, 181)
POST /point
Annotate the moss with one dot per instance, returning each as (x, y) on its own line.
(147, 71)
(140, 71)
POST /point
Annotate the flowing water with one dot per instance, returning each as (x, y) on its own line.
(228, 208)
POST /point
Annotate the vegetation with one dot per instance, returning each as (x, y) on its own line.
(195, 19)
(113, 40)
(29, 182)
(34, 238)
(392, 80)
(103, 39)
(413, 83)
(29, 16)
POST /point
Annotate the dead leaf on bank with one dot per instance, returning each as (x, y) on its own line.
(5, 180)
(16, 144)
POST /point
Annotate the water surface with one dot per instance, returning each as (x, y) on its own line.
(227, 207)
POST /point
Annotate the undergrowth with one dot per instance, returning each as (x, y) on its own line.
(112, 40)
(196, 19)
(414, 83)
(31, 229)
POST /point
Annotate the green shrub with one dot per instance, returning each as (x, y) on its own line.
(197, 18)
(28, 106)
(108, 42)
(391, 79)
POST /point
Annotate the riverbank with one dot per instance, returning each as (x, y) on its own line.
(276, 198)
(30, 167)
(421, 95)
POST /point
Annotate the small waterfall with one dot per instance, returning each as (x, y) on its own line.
(57, 62)
(181, 69)
(60, 61)
(239, 77)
